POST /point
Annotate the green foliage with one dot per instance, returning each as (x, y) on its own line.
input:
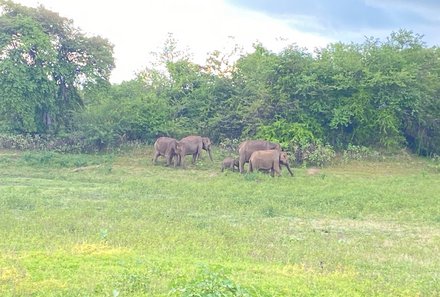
(45, 62)
(298, 138)
(314, 153)
(229, 145)
(125, 112)
(210, 282)
(132, 284)
(357, 152)
(72, 142)
(435, 163)
(319, 155)
(287, 134)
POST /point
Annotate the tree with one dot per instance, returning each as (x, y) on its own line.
(123, 112)
(45, 64)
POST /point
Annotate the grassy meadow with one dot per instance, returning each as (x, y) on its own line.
(117, 225)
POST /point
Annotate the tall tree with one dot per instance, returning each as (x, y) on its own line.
(45, 63)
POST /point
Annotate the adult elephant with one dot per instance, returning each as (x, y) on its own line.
(207, 145)
(246, 148)
(193, 145)
(166, 147)
(270, 160)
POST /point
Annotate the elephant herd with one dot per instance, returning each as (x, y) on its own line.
(260, 154)
(171, 149)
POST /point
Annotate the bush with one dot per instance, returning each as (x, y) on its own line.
(286, 133)
(298, 138)
(434, 163)
(210, 282)
(322, 155)
(71, 143)
(230, 145)
(315, 154)
(357, 152)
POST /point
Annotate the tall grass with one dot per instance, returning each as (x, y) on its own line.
(116, 225)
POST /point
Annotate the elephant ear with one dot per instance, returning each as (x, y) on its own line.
(206, 142)
(178, 146)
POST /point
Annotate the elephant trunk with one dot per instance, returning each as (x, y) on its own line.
(288, 168)
(210, 156)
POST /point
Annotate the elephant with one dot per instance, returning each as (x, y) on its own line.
(246, 148)
(193, 145)
(167, 147)
(269, 160)
(230, 163)
(207, 146)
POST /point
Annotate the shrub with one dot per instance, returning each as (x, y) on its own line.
(434, 163)
(287, 133)
(357, 152)
(73, 142)
(321, 155)
(229, 145)
(315, 154)
(210, 282)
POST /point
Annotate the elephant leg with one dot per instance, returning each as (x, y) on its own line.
(176, 159)
(199, 150)
(250, 168)
(156, 155)
(182, 160)
(241, 164)
(169, 158)
(277, 168)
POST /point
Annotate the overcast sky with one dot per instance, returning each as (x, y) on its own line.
(137, 28)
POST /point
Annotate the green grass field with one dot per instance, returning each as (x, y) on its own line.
(116, 225)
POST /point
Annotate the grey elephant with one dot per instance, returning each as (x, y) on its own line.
(207, 146)
(230, 163)
(270, 160)
(246, 148)
(193, 145)
(166, 147)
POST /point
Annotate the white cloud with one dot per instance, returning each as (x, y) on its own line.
(137, 28)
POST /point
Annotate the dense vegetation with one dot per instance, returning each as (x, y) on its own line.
(54, 82)
(116, 225)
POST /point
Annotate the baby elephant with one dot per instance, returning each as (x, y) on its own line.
(230, 163)
(269, 160)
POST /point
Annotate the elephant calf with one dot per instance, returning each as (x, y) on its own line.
(230, 163)
(269, 160)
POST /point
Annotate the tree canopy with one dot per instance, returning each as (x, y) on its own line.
(379, 93)
(45, 64)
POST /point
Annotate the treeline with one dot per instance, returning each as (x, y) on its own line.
(381, 93)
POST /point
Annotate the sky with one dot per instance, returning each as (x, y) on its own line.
(137, 28)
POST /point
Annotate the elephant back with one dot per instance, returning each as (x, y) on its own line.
(247, 147)
(191, 144)
(163, 143)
